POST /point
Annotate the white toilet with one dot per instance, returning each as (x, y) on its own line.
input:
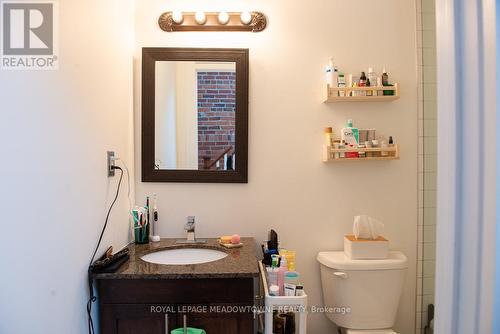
(362, 296)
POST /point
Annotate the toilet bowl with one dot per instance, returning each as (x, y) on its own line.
(366, 292)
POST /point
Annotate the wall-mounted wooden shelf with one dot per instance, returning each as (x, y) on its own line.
(378, 153)
(344, 94)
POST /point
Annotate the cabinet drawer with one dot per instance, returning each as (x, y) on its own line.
(177, 291)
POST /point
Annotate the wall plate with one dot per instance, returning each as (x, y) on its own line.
(111, 163)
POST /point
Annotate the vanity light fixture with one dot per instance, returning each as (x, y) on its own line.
(223, 18)
(200, 18)
(212, 21)
(177, 16)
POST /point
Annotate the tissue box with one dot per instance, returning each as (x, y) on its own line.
(366, 249)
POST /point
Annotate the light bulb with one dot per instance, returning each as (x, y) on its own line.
(223, 17)
(200, 17)
(177, 16)
(246, 18)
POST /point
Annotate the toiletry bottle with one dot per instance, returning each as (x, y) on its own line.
(368, 84)
(291, 282)
(328, 136)
(341, 84)
(372, 77)
(349, 84)
(274, 290)
(341, 147)
(362, 154)
(385, 82)
(291, 254)
(368, 144)
(383, 144)
(385, 78)
(355, 92)
(362, 83)
(336, 155)
(391, 145)
(362, 79)
(335, 79)
(274, 260)
(329, 73)
(350, 136)
(281, 275)
(379, 84)
(272, 276)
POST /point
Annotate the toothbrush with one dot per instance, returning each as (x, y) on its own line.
(147, 208)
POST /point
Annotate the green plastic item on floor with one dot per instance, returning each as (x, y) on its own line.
(189, 331)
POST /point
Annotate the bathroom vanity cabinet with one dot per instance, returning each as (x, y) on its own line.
(158, 306)
(150, 298)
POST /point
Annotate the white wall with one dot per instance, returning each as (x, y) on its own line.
(165, 115)
(55, 129)
(187, 115)
(311, 204)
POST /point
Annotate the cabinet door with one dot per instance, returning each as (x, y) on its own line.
(218, 322)
(137, 319)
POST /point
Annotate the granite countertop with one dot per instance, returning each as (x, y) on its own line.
(240, 262)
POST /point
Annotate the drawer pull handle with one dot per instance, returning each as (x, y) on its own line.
(166, 324)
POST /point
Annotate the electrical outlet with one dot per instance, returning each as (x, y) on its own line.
(111, 163)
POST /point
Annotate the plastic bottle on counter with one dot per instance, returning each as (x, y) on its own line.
(291, 282)
(281, 275)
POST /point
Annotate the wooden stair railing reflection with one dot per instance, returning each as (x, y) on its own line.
(208, 163)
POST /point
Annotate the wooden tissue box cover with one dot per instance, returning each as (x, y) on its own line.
(366, 249)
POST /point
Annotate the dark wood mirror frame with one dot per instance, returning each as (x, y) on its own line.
(149, 58)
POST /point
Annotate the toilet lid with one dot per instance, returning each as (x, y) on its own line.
(338, 260)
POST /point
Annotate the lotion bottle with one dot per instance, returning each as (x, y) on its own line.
(350, 135)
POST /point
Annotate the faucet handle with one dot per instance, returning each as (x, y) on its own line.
(190, 224)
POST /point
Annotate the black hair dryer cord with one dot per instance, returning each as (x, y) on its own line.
(92, 297)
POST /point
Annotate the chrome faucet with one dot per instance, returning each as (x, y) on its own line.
(190, 230)
(189, 227)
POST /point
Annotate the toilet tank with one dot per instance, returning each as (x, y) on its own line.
(362, 294)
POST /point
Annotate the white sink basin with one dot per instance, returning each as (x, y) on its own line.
(184, 256)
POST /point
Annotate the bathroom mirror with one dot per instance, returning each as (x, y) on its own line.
(194, 115)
